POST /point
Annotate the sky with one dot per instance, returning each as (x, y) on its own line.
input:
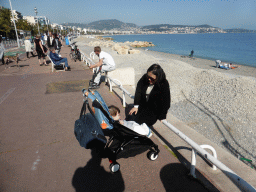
(218, 13)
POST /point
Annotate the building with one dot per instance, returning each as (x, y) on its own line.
(17, 15)
(30, 19)
(33, 20)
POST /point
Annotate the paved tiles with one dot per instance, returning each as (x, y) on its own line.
(39, 151)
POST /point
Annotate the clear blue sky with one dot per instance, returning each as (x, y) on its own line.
(218, 13)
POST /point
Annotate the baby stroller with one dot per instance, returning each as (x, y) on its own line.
(119, 136)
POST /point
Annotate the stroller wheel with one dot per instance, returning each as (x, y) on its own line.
(114, 167)
(152, 155)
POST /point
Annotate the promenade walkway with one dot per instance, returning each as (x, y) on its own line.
(39, 151)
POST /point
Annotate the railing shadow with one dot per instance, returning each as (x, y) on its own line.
(172, 177)
(228, 140)
(185, 162)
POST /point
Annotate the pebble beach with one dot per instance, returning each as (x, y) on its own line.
(219, 104)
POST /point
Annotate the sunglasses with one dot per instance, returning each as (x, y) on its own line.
(151, 79)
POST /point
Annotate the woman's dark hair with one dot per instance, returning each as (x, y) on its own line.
(157, 70)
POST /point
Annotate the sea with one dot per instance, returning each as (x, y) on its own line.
(237, 48)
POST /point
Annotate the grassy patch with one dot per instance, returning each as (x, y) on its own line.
(67, 86)
(166, 147)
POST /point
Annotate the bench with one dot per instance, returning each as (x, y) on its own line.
(57, 66)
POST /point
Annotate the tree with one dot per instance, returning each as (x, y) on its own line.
(5, 21)
(23, 25)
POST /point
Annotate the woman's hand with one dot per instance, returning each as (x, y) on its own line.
(162, 120)
(133, 110)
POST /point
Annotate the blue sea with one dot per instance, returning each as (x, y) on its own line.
(239, 48)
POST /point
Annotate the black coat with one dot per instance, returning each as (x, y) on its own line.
(49, 44)
(157, 105)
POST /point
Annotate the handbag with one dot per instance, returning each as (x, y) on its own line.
(87, 129)
(45, 49)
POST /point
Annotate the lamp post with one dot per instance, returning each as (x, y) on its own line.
(14, 25)
(46, 20)
(37, 19)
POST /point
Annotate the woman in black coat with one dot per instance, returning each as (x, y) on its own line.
(152, 97)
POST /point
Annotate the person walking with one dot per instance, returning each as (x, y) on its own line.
(191, 54)
(106, 63)
(152, 97)
(40, 50)
(66, 40)
(28, 47)
(2, 49)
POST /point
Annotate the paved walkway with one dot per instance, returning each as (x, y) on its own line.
(39, 151)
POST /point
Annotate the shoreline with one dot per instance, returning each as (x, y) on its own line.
(197, 62)
(203, 63)
(239, 61)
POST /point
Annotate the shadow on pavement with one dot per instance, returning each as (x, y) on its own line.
(93, 177)
(185, 164)
(174, 179)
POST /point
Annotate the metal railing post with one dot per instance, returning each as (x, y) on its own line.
(124, 103)
(193, 163)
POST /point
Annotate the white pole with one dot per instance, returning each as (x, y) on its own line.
(14, 25)
(38, 25)
(37, 20)
(46, 23)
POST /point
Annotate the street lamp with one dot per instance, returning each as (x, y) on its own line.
(37, 19)
(47, 22)
(14, 25)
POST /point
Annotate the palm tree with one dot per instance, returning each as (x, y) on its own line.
(5, 21)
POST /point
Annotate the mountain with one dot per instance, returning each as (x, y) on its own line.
(110, 24)
(105, 25)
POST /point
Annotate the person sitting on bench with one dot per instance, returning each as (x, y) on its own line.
(57, 60)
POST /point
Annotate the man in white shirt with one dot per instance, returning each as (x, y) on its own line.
(106, 63)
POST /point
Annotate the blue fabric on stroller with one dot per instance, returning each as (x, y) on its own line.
(119, 135)
(102, 119)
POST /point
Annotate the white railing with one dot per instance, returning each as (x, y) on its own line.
(242, 184)
(92, 55)
(12, 44)
(119, 84)
(86, 59)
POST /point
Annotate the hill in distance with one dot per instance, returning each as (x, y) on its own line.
(104, 24)
(111, 24)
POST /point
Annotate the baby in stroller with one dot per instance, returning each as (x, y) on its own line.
(119, 135)
(142, 129)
